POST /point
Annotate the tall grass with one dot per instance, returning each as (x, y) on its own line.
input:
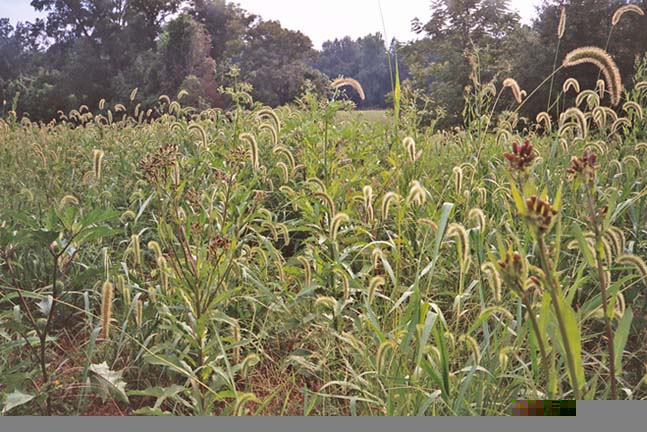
(291, 260)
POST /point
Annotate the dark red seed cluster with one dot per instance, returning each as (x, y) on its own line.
(542, 212)
(219, 175)
(156, 167)
(585, 165)
(218, 243)
(237, 156)
(512, 264)
(602, 212)
(192, 197)
(522, 156)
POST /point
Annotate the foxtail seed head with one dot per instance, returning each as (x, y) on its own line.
(336, 223)
(107, 295)
(630, 8)
(69, 200)
(326, 198)
(601, 87)
(137, 255)
(376, 283)
(307, 270)
(368, 202)
(458, 179)
(417, 194)
(387, 201)
(269, 113)
(494, 279)
(544, 118)
(604, 62)
(253, 149)
(634, 261)
(273, 133)
(516, 90)
(97, 163)
(571, 83)
(478, 215)
(471, 343)
(410, 146)
(458, 231)
(561, 28)
(386, 347)
(343, 82)
(344, 280)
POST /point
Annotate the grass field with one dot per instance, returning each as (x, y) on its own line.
(369, 116)
(290, 261)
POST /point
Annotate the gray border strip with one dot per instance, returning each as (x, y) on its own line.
(591, 416)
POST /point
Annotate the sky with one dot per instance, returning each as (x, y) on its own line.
(321, 20)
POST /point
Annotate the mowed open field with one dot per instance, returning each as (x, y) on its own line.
(368, 116)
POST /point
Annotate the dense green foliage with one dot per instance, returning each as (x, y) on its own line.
(508, 49)
(363, 59)
(158, 256)
(82, 53)
(300, 261)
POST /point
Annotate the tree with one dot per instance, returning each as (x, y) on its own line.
(185, 48)
(374, 71)
(11, 52)
(93, 49)
(588, 23)
(438, 62)
(365, 59)
(97, 20)
(227, 24)
(339, 57)
(276, 62)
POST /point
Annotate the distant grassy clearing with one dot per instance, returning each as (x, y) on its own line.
(372, 116)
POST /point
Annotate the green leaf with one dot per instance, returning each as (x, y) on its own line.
(372, 319)
(45, 237)
(440, 235)
(397, 93)
(429, 370)
(27, 220)
(109, 382)
(430, 320)
(441, 344)
(621, 336)
(487, 313)
(152, 412)
(95, 233)
(557, 202)
(427, 403)
(584, 246)
(442, 225)
(99, 215)
(160, 393)
(67, 216)
(170, 361)
(518, 199)
(143, 207)
(15, 399)
(574, 338)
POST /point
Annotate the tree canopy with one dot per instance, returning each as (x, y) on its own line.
(83, 51)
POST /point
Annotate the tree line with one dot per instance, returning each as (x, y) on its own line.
(84, 51)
